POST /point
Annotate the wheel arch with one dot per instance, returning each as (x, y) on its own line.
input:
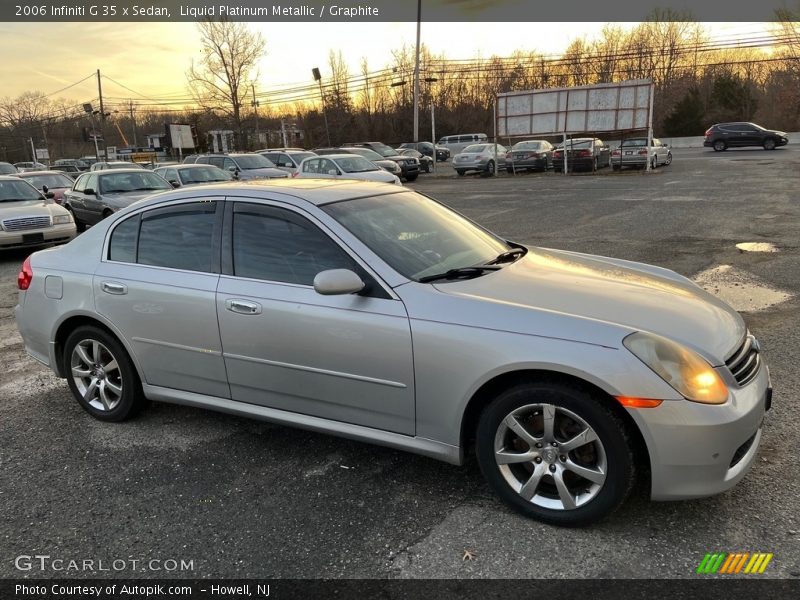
(503, 381)
(71, 322)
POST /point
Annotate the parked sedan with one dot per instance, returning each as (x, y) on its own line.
(530, 155)
(70, 170)
(49, 182)
(344, 166)
(244, 166)
(370, 155)
(97, 195)
(427, 148)
(373, 312)
(425, 162)
(27, 218)
(587, 154)
(183, 175)
(286, 160)
(23, 167)
(633, 152)
(480, 157)
(408, 165)
(737, 135)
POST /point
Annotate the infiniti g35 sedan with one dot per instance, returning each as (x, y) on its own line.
(373, 312)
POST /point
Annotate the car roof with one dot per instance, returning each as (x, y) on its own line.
(40, 172)
(314, 191)
(118, 171)
(340, 155)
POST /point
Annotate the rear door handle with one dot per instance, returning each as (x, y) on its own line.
(112, 287)
(244, 307)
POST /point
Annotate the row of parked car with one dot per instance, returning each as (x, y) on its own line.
(588, 154)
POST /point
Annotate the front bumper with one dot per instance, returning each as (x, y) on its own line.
(56, 234)
(537, 164)
(699, 450)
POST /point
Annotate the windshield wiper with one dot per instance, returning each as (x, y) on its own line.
(147, 189)
(460, 273)
(508, 256)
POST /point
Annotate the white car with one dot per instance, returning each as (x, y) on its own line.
(344, 166)
(27, 218)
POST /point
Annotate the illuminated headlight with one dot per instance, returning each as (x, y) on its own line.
(62, 219)
(686, 371)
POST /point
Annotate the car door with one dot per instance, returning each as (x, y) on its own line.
(157, 283)
(75, 198)
(93, 202)
(345, 357)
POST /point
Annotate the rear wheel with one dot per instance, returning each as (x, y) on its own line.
(769, 144)
(555, 453)
(490, 168)
(460, 172)
(720, 145)
(101, 375)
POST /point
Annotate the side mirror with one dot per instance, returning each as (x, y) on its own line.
(232, 169)
(333, 172)
(49, 195)
(44, 188)
(174, 183)
(336, 282)
(89, 192)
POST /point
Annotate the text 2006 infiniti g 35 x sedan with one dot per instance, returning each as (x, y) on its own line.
(373, 312)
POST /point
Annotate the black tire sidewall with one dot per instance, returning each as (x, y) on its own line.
(610, 429)
(132, 398)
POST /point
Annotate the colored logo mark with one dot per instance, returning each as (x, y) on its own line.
(734, 563)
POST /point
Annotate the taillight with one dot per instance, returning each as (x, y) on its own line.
(25, 275)
(296, 174)
(616, 153)
(708, 133)
(558, 153)
(585, 153)
(508, 155)
(642, 151)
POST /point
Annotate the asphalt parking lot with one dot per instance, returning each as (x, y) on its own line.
(241, 498)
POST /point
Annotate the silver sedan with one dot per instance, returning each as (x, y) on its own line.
(370, 311)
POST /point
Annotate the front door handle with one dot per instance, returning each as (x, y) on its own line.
(244, 307)
(112, 287)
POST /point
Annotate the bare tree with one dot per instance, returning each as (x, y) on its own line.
(219, 80)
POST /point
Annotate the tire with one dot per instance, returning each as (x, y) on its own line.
(654, 163)
(101, 375)
(490, 168)
(769, 144)
(410, 178)
(510, 170)
(460, 172)
(80, 226)
(596, 165)
(669, 159)
(559, 495)
(427, 167)
(616, 167)
(720, 145)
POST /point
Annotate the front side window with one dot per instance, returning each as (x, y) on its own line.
(179, 237)
(311, 166)
(274, 244)
(415, 235)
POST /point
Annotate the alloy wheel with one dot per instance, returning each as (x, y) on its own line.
(96, 375)
(550, 456)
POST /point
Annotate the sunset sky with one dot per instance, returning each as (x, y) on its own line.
(153, 58)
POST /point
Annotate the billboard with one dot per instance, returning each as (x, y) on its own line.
(181, 135)
(606, 107)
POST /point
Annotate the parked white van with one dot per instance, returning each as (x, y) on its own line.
(456, 143)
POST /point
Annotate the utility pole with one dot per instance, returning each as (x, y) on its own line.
(133, 123)
(416, 77)
(33, 151)
(255, 110)
(318, 78)
(102, 117)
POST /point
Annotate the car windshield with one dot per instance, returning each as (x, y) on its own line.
(415, 235)
(385, 151)
(527, 146)
(6, 169)
(366, 153)
(474, 148)
(51, 180)
(356, 164)
(634, 142)
(253, 161)
(579, 144)
(203, 174)
(120, 183)
(18, 191)
(299, 157)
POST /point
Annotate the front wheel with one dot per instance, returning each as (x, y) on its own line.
(80, 226)
(555, 453)
(669, 159)
(769, 144)
(101, 375)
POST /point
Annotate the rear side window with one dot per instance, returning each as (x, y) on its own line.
(123, 241)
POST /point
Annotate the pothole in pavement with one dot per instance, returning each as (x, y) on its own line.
(757, 247)
(741, 290)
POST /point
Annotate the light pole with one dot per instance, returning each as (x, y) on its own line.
(318, 78)
(255, 110)
(416, 75)
(433, 122)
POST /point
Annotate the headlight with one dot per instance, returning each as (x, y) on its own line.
(62, 219)
(683, 369)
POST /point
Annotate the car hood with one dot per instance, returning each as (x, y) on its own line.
(29, 208)
(261, 173)
(632, 295)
